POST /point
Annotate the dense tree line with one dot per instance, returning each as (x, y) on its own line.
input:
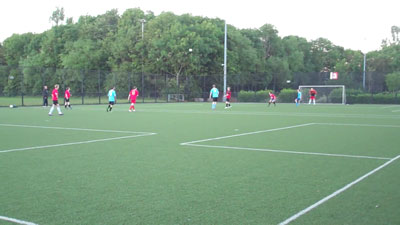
(257, 58)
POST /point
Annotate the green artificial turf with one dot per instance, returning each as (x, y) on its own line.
(55, 176)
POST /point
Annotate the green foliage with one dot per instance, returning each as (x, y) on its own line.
(13, 86)
(366, 98)
(354, 96)
(262, 96)
(393, 81)
(287, 95)
(254, 96)
(246, 96)
(58, 15)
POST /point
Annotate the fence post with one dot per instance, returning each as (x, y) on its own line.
(155, 88)
(62, 84)
(142, 84)
(82, 86)
(22, 85)
(98, 88)
(130, 81)
(166, 86)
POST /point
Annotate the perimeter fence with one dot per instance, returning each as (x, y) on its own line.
(24, 85)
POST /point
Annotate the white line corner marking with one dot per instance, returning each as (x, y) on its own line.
(313, 206)
(137, 134)
(16, 221)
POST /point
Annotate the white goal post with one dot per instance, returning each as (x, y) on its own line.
(326, 93)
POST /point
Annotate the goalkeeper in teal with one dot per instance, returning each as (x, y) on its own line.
(111, 99)
(214, 93)
(298, 99)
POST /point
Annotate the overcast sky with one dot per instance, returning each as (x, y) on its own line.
(357, 25)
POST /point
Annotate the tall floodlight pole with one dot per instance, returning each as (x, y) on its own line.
(365, 63)
(225, 47)
(143, 21)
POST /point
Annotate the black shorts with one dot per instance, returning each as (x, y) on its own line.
(111, 103)
(215, 99)
(55, 102)
(228, 99)
(67, 100)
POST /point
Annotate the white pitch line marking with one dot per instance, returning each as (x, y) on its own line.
(71, 128)
(359, 125)
(391, 106)
(74, 143)
(290, 152)
(249, 133)
(313, 206)
(16, 221)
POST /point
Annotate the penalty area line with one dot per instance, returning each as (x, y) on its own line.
(315, 205)
(249, 133)
(290, 152)
(4, 218)
(74, 143)
(358, 125)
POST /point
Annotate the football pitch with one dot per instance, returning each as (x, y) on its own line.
(183, 163)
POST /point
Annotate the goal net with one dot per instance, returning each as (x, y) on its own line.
(325, 93)
(176, 98)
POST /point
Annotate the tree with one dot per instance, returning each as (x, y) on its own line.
(279, 70)
(257, 58)
(296, 49)
(2, 56)
(395, 34)
(57, 16)
(393, 82)
(272, 45)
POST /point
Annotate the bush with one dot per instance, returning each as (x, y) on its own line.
(384, 98)
(246, 96)
(251, 96)
(367, 98)
(335, 96)
(321, 99)
(262, 96)
(287, 95)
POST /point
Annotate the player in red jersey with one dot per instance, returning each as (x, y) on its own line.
(132, 97)
(54, 96)
(272, 99)
(228, 98)
(312, 93)
(67, 95)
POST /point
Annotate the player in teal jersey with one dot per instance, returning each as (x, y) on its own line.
(298, 99)
(111, 99)
(214, 93)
